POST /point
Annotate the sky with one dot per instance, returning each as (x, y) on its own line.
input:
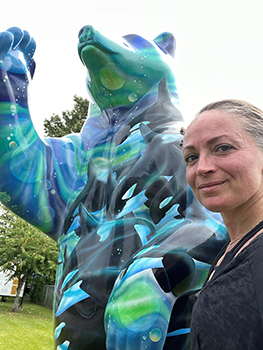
(219, 50)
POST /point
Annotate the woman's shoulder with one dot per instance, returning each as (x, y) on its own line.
(253, 253)
(256, 247)
(256, 265)
(252, 248)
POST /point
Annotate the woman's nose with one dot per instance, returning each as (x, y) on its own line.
(204, 165)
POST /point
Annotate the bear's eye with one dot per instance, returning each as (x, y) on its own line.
(126, 46)
(81, 32)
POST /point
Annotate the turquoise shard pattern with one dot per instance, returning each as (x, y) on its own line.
(134, 244)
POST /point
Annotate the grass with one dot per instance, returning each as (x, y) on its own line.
(29, 329)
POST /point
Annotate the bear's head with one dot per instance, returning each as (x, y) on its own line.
(119, 76)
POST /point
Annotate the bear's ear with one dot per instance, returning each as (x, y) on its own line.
(166, 42)
(137, 42)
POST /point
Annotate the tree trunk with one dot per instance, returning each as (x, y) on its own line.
(16, 306)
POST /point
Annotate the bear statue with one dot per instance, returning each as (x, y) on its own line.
(134, 244)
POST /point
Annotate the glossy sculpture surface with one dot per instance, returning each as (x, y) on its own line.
(134, 244)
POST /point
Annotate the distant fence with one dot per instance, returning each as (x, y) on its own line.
(49, 295)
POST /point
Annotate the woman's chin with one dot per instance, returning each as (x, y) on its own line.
(214, 205)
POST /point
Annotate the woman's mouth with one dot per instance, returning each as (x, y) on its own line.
(210, 186)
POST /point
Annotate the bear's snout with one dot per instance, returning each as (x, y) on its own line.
(86, 33)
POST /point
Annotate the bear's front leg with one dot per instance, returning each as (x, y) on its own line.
(23, 176)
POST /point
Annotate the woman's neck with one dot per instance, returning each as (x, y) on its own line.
(238, 224)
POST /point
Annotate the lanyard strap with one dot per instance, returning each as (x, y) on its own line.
(231, 254)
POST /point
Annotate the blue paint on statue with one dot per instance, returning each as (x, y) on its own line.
(134, 244)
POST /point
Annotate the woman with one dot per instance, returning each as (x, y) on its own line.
(223, 151)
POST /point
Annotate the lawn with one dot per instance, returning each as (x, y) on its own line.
(30, 329)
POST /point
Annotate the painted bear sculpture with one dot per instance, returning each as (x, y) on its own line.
(134, 244)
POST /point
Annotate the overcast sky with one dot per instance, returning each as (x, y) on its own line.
(219, 46)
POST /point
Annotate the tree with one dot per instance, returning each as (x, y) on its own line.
(25, 251)
(71, 121)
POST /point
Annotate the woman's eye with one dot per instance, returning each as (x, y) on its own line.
(191, 158)
(224, 148)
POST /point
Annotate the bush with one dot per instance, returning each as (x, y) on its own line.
(38, 291)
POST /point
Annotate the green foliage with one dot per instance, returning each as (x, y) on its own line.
(24, 250)
(71, 121)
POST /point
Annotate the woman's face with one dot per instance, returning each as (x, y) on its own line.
(224, 166)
